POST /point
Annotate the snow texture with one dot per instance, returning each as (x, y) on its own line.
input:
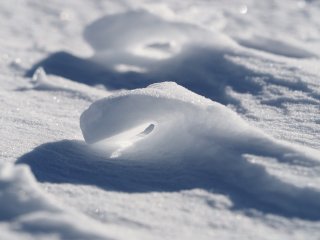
(195, 136)
(198, 119)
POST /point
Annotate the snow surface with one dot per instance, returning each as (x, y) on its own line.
(228, 151)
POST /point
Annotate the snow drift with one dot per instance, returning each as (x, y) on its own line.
(145, 38)
(136, 48)
(168, 125)
(35, 214)
(171, 168)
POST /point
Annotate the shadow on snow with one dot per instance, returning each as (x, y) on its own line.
(74, 162)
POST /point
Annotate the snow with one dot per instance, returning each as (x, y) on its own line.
(192, 134)
(198, 119)
(33, 213)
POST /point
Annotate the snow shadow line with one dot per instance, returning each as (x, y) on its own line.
(203, 70)
(74, 162)
(203, 67)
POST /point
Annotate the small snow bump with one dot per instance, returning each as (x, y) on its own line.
(39, 76)
(243, 9)
(66, 15)
(301, 4)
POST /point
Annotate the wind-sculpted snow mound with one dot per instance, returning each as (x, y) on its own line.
(176, 118)
(146, 40)
(146, 35)
(137, 26)
(168, 126)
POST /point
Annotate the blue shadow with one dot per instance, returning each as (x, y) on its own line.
(75, 162)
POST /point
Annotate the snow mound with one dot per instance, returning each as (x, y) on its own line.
(141, 29)
(145, 39)
(33, 213)
(175, 111)
(168, 125)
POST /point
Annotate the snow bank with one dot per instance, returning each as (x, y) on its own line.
(168, 125)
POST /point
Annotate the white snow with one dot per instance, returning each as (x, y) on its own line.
(192, 134)
(33, 213)
(198, 119)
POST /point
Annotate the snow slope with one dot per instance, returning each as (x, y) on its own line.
(229, 151)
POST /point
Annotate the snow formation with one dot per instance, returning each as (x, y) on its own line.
(165, 124)
(198, 119)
